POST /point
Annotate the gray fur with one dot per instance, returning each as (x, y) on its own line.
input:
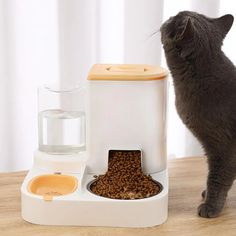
(205, 87)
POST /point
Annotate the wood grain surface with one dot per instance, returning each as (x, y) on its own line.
(187, 179)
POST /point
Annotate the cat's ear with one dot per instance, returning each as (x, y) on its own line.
(224, 23)
(188, 30)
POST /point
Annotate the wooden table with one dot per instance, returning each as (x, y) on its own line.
(187, 179)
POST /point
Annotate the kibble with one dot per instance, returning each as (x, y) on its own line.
(124, 178)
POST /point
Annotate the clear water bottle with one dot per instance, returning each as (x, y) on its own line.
(61, 120)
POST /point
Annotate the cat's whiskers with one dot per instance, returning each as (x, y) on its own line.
(156, 32)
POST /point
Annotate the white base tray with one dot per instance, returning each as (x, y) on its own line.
(83, 208)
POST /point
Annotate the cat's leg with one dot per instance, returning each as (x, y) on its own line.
(220, 178)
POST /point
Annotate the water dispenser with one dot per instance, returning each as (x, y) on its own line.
(61, 120)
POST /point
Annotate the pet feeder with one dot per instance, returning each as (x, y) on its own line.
(125, 111)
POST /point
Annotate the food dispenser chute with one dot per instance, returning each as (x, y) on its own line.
(125, 112)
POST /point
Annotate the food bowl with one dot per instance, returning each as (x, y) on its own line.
(90, 184)
(52, 185)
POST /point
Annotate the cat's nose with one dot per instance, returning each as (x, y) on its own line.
(170, 19)
(165, 24)
(168, 22)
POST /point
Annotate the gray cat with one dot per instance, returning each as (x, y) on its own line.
(205, 88)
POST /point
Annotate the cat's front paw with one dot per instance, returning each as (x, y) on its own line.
(207, 211)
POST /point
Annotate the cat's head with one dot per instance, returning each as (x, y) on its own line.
(189, 31)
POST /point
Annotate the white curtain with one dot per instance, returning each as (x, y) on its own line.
(42, 41)
(28, 57)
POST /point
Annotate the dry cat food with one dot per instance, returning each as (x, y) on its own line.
(124, 178)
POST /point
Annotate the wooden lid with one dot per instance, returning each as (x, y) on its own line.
(126, 72)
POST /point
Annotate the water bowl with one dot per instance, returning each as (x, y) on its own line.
(52, 185)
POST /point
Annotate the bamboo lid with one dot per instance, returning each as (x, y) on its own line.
(127, 72)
